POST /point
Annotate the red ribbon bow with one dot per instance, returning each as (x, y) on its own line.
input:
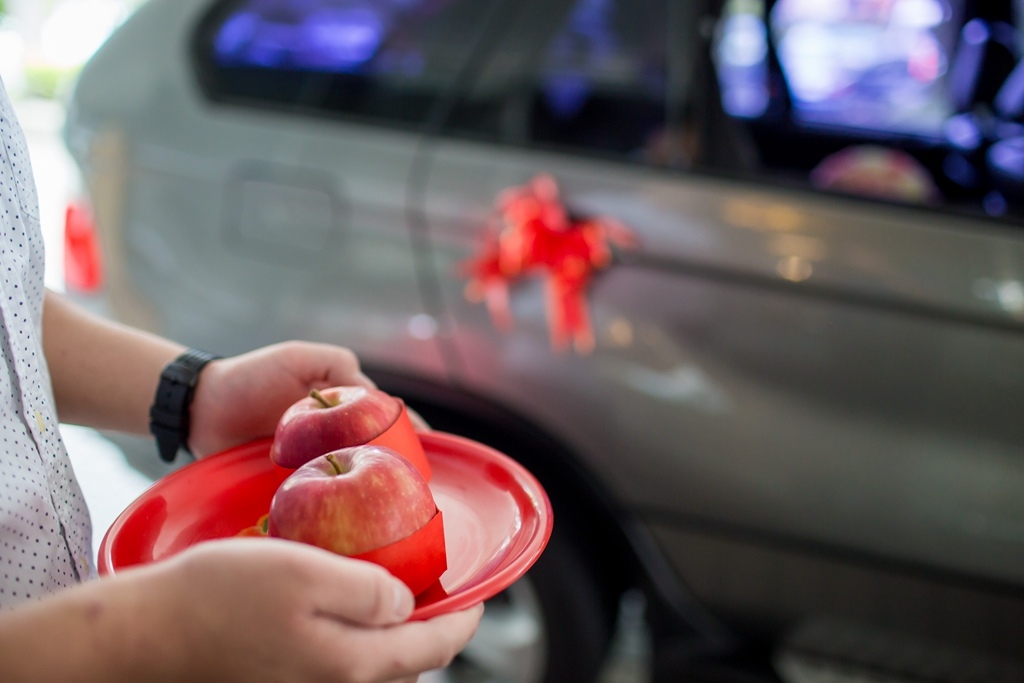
(533, 234)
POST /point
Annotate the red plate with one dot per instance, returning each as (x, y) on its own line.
(497, 517)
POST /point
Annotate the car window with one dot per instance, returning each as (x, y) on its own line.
(918, 102)
(588, 76)
(601, 83)
(384, 59)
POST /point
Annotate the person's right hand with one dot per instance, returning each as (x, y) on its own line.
(269, 610)
(248, 610)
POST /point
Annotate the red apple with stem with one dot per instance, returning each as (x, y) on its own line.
(352, 500)
(338, 417)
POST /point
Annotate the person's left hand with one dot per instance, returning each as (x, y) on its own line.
(241, 398)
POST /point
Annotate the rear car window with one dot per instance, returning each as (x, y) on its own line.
(387, 60)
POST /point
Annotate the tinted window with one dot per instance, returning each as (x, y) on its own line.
(588, 75)
(601, 84)
(388, 59)
(912, 101)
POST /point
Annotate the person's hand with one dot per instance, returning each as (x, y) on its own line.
(246, 610)
(270, 610)
(241, 398)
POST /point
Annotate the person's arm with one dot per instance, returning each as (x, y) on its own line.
(238, 610)
(104, 374)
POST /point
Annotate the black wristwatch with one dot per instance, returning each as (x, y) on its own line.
(169, 416)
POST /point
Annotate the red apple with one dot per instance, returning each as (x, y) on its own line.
(352, 500)
(324, 421)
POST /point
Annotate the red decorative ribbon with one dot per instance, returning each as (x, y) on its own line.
(533, 234)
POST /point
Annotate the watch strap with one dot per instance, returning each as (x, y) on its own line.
(169, 414)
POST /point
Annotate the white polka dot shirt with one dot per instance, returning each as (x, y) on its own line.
(45, 535)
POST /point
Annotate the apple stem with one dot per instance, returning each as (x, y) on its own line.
(320, 397)
(333, 459)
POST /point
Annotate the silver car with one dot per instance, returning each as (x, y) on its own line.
(742, 283)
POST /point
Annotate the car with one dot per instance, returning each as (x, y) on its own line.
(741, 283)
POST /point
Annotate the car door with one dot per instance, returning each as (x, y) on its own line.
(808, 390)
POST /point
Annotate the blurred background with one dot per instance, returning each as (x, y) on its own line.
(43, 45)
(813, 359)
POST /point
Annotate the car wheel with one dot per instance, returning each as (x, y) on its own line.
(551, 626)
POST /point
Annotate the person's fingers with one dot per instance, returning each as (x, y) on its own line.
(412, 647)
(433, 644)
(337, 376)
(348, 590)
(457, 628)
(376, 599)
(328, 366)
